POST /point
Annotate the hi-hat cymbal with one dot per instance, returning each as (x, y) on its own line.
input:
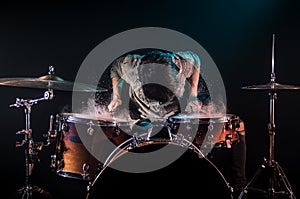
(271, 86)
(49, 82)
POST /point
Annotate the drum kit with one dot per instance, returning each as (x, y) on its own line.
(71, 159)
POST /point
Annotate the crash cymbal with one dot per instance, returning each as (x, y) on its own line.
(271, 86)
(49, 82)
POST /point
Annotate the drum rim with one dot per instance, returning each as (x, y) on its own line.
(73, 175)
(82, 118)
(124, 147)
(184, 118)
(143, 143)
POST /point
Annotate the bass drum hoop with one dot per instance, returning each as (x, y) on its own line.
(124, 148)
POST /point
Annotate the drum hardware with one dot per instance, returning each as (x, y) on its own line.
(90, 130)
(232, 133)
(31, 147)
(136, 140)
(52, 132)
(230, 126)
(158, 135)
(228, 138)
(64, 125)
(128, 144)
(181, 140)
(117, 130)
(278, 182)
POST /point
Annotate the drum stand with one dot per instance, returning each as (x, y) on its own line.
(278, 182)
(31, 148)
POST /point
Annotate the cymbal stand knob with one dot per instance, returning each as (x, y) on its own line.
(51, 70)
(48, 95)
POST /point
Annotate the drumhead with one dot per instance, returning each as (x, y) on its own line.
(93, 119)
(201, 118)
(191, 174)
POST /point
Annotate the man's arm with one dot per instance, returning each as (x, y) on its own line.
(194, 80)
(115, 86)
(116, 99)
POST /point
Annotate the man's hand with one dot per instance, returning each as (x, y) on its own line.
(114, 104)
(193, 107)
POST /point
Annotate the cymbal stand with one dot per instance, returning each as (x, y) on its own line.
(31, 148)
(278, 182)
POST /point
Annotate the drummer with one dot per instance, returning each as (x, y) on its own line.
(158, 90)
(145, 104)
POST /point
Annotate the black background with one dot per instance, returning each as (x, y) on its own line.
(237, 35)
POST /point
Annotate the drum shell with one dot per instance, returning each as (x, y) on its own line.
(72, 158)
(206, 132)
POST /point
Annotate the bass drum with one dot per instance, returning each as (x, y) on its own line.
(192, 174)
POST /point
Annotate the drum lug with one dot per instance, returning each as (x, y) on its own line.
(60, 164)
(228, 126)
(189, 137)
(210, 127)
(65, 127)
(135, 143)
(237, 121)
(90, 131)
(188, 127)
(85, 168)
(116, 132)
(53, 161)
(178, 138)
(172, 126)
(228, 140)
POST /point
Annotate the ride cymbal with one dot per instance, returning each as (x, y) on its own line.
(50, 82)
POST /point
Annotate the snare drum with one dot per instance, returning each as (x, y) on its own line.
(207, 132)
(72, 158)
